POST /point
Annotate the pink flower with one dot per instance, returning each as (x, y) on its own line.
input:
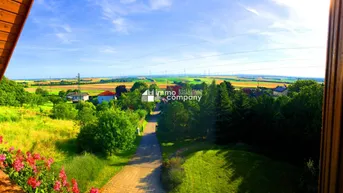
(33, 182)
(11, 149)
(57, 186)
(31, 161)
(94, 190)
(2, 157)
(63, 177)
(18, 165)
(75, 189)
(36, 156)
(49, 162)
(28, 154)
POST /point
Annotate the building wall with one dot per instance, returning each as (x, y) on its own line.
(105, 98)
(280, 93)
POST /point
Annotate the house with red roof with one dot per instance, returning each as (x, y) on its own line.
(106, 96)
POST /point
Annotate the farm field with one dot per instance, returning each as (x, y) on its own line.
(31, 129)
(162, 82)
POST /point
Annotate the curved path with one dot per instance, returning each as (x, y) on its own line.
(142, 174)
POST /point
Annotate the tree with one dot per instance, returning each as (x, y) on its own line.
(295, 87)
(55, 99)
(140, 86)
(153, 87)
(114, 130)
(121, 89)
(229, 87)
(42, 92)
(223, 115)
(87, 115)
(62, 94)
(64, 111)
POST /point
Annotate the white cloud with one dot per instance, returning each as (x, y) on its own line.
(120, 25)
(67, 28)
(252, 10)
(64, 37)
(108, 50)
(159, 4)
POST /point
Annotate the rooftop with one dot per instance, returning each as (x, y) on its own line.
(107, 93)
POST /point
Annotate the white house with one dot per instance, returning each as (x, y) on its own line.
(106, 96)
(280, 90)
(76, 97)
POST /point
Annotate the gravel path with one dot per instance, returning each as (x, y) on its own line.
(142, 174)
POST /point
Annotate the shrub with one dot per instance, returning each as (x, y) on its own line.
(32, 172)
(114, 130)
(309, 177)
(173, 173)
(64, 111)
(142, 113)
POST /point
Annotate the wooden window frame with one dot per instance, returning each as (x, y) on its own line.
(331, 149)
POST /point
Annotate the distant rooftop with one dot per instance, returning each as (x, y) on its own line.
(107, 93)
(280, 89)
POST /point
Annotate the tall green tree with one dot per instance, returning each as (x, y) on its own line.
(223, 114)
(140, 86)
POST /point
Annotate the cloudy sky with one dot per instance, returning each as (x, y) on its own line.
(140, 37)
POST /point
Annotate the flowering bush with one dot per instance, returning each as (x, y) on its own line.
(32, 172)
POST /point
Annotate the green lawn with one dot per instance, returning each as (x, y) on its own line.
(212, 168)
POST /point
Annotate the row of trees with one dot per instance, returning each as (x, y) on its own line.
(287, 127)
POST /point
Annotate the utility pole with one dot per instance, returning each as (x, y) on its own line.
(79, 86)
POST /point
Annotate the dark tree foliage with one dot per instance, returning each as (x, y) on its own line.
(140, 86)
(120, 89)
(285, 127)
(42, 92)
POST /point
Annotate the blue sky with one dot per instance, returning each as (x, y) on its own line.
(140, 37)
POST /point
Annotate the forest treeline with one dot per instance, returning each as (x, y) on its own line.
(286, 128)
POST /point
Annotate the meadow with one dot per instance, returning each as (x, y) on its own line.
(31, 129)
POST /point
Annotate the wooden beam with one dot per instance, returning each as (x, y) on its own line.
(9, 27)
(11, 17)
(331, 151)
(13, 6)
(6, 45)
(15, 28)
(4, 53)
(5, 36)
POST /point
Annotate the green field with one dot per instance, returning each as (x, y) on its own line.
(30, 129)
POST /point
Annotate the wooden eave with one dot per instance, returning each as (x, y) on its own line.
(13, 14)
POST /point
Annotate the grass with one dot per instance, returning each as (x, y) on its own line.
(95, 171)
(227, 170)
(213, 168)
(30, 130)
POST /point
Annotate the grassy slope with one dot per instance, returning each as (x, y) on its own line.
(211, 168)
(28, 130)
